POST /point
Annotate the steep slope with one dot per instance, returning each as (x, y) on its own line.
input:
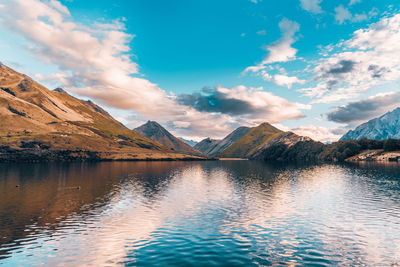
(39, 122)
(251, 142)
(156, 132)
(384, 127)
(229, 140)
(279, 148)
(206, 145)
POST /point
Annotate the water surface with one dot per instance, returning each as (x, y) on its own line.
(199, 213)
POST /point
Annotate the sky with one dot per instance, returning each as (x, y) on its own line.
(202, 68)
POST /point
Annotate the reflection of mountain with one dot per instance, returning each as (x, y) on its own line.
(44, 202)
(126, 212)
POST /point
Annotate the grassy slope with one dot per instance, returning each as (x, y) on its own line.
(29, 111)
(251, 141)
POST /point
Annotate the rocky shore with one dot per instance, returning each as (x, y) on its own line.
(376, 155)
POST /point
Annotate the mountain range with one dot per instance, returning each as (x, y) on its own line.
(157, 133)
(191, 143)
(37, 123)
(245, 142)
(384, 127)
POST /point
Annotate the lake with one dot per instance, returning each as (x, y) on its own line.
(232, 213)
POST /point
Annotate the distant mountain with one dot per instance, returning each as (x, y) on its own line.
(206, 145)
(156, 132)
(251, 142)
(384, 127)
(191, 143)
(228, 140)
(37, 123)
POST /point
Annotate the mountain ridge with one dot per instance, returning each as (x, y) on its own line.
(251, 142)
(38, 124)
(384, 127)
(154, 131)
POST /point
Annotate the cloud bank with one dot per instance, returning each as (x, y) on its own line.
(363, 110)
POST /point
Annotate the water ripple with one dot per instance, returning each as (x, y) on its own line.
(199, 213)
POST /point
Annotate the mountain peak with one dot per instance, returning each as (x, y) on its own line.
(383, 127)
(60, 90)
(154, 131)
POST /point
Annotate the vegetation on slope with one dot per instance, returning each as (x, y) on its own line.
(51, 121)
(251, 141)
(311, 151)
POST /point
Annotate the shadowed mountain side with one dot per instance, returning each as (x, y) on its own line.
(206, 145)
(36, 123)
(251, 142)
(156, 132)
(229, 140)
(191, 143)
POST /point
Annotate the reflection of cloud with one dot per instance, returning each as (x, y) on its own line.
(245, 208)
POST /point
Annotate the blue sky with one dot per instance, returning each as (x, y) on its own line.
(202, 68)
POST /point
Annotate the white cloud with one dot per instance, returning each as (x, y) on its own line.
(352, 2)
(321, 134)
(312, 6)
(262, 32)
(94, 61)
(279, 51)
(283, 80)
(342, 14)
(364, 61)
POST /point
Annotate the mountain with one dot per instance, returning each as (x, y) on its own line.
(288, 146)
(191, 143)
(251, 142)
(228, 140)
(156, 132)
(384, 127)
(206, 145)
(38, 124)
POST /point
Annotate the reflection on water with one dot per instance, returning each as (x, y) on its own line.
(197, 213)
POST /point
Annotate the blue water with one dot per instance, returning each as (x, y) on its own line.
(221, 213)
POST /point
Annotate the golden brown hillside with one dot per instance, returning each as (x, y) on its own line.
(39, 123)
(251, 142)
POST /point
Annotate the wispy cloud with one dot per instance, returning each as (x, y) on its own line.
(364, 61)
(278, 52)
(312, 6)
